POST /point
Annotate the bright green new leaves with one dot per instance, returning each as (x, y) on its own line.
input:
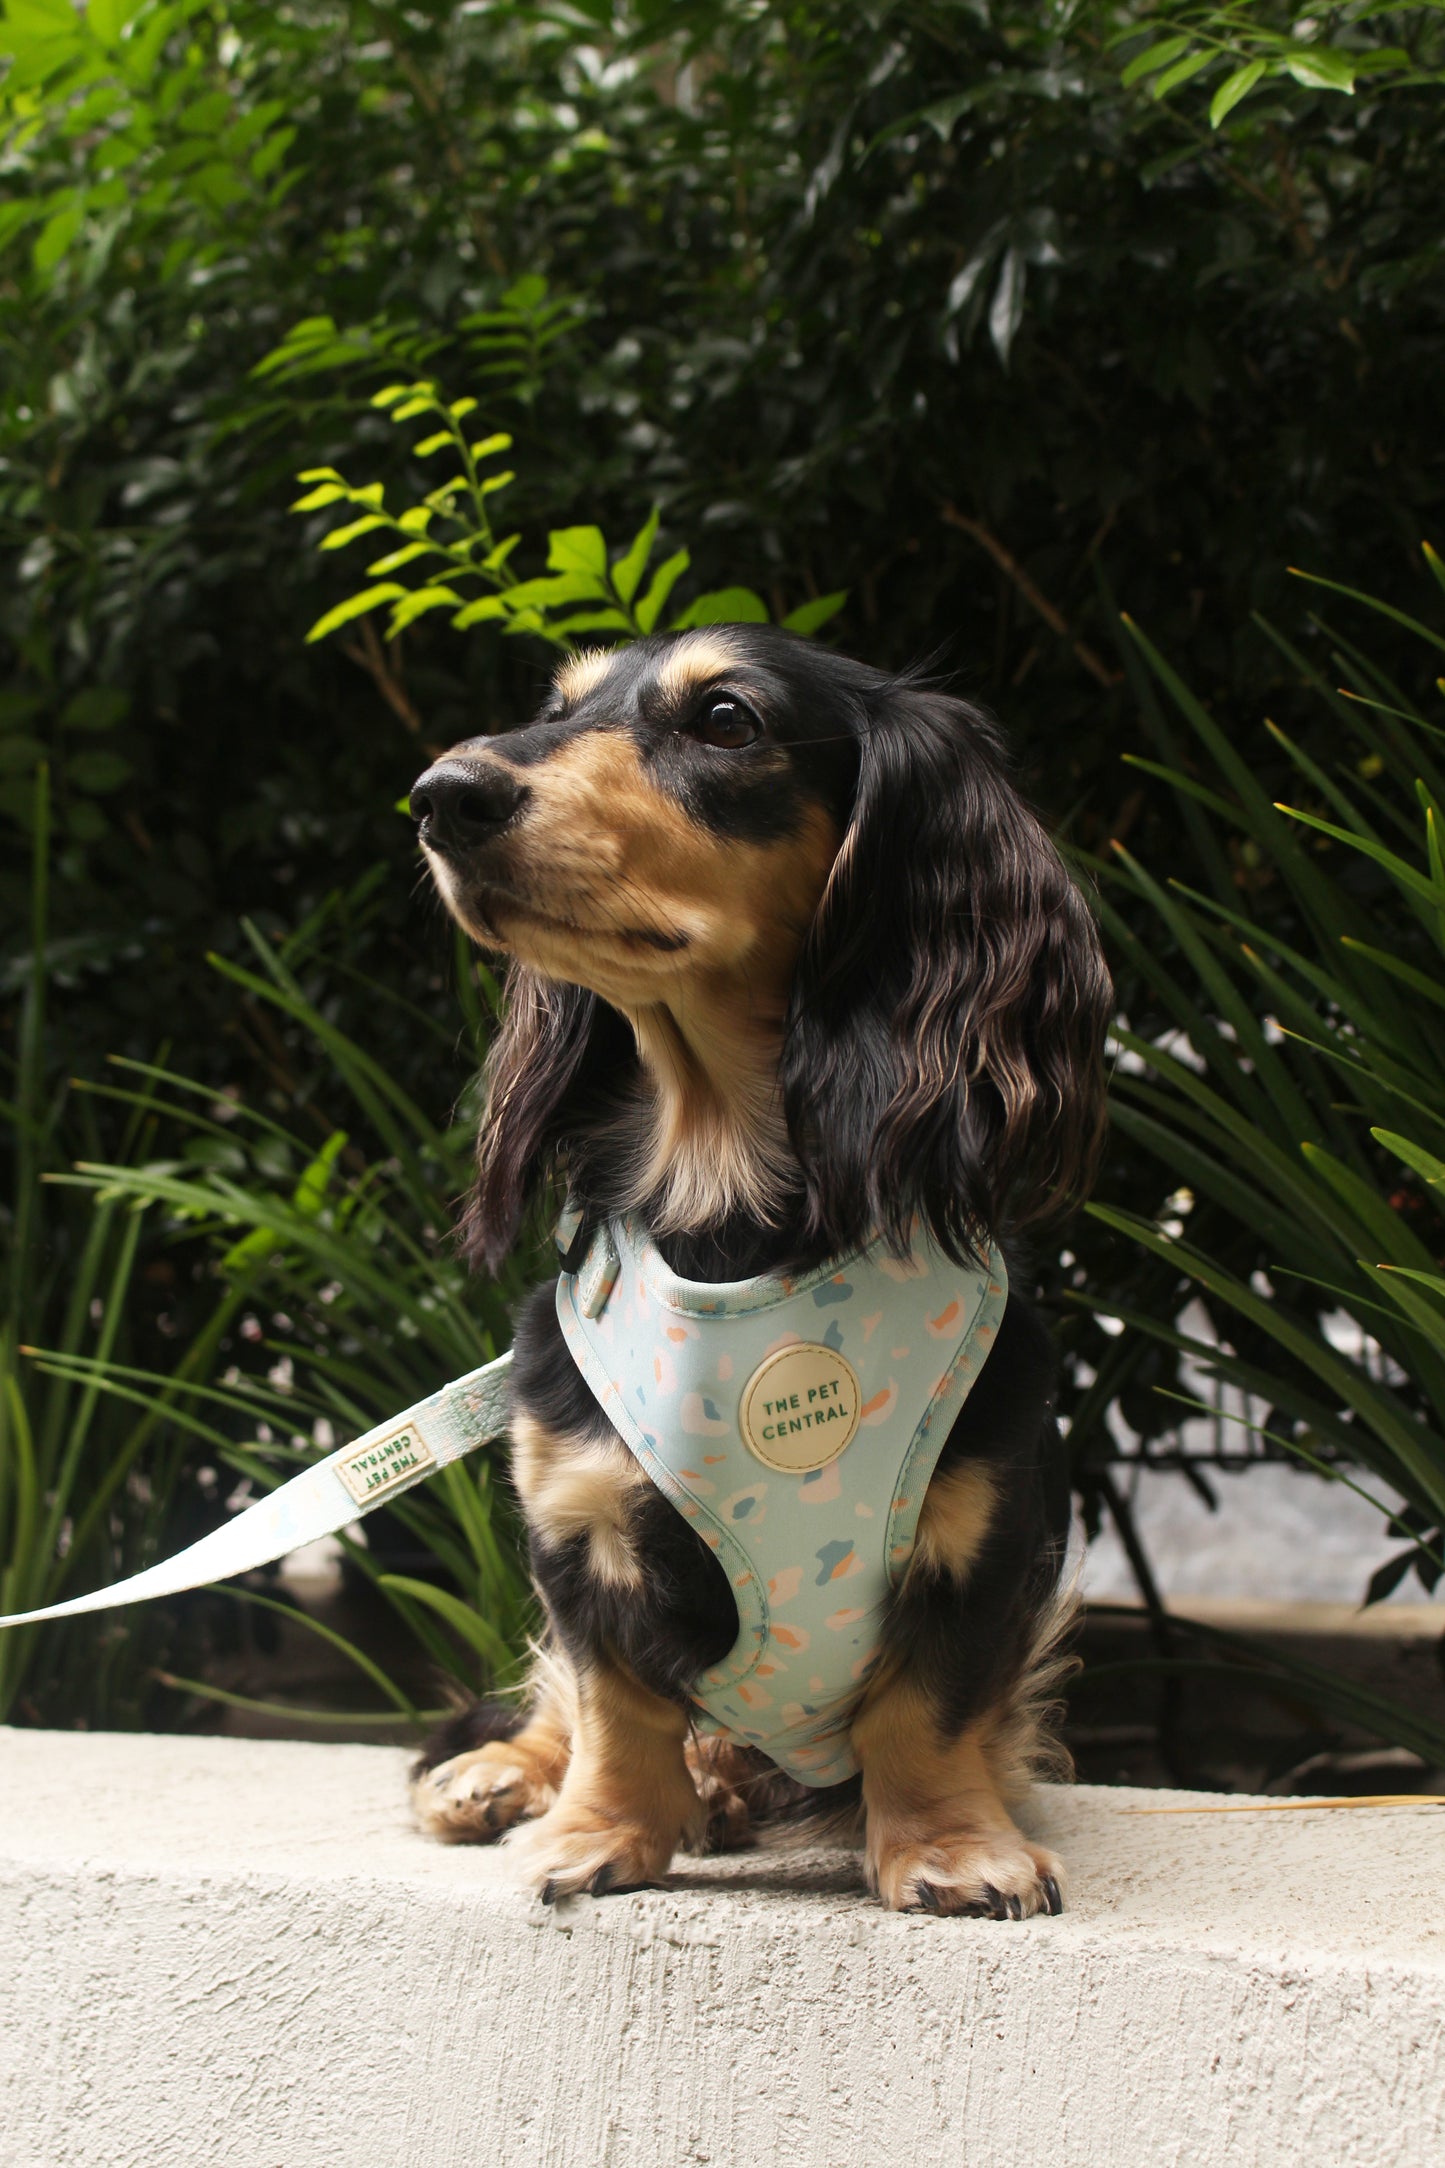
(449, 542)
(1243, 43)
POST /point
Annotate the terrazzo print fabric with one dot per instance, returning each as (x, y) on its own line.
(797, 1424)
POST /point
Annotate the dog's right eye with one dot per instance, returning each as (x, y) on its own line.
(725, 722)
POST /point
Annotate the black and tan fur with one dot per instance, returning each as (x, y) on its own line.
(792, 964)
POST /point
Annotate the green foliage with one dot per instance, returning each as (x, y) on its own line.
(122, 111)
(91, 1489)
(1297, 1091)
(343, 1243)
(1235, 50)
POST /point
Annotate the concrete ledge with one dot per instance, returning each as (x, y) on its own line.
(223, 1954)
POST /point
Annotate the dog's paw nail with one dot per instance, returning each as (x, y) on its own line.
(604, 1879)
(1052, 1896)
(1015, 1906)
(926, 1898)
(548, 1893)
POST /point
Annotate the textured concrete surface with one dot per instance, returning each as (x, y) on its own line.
(223, 1954)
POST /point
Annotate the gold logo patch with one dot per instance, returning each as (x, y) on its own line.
(800, 1408)
(387, 1464)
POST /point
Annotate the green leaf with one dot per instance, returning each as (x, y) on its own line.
(432, 444)
(96, 707)
(664, 579)
(317, 499)
(56, 235)
(578, 549)
(496, 558)
(527, 295)
(98, 772)
(406, 555)
(422, 403)
(486, 447)
(629, 568)
(1155, 57)
(1179, 73)
(724, 606)
(418, 604)
(1403, 875)
(473, 1628)
(1233, 90)
(459, 407)
(486, 610)
(810, 617)
(610, 620)
(1425, 1164)
(370, 598)
(1323, 67)
(550, 593)
(340, 536)
(1373, 602)
(390, 393)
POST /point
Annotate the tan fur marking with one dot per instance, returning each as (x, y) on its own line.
(579, 1486)
(579, 673)
(701, 656)
(957, 1514)
(627, 1800)
(938, 1831)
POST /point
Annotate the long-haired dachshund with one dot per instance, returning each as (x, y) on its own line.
(794, 972)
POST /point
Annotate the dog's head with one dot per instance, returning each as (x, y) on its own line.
(854, 966)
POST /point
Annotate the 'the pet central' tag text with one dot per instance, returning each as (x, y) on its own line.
(800, 1408)
(372, 1471)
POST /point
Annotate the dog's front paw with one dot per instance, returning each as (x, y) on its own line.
(572, 1850)
(475, 1798)
(995, 1875)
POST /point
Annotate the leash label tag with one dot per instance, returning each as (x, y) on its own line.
(372, 1471)
(800, 1408)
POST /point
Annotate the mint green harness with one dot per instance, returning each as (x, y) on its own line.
(796, 1424)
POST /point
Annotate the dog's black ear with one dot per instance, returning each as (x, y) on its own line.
(554, 1043)
(944, 1054)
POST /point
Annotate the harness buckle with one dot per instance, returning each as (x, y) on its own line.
(598, 1275)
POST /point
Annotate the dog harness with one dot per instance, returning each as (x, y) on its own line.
(795, 1423)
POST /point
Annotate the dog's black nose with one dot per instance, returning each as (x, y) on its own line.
(459, 804)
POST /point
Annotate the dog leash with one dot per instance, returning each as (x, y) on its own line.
(348, 1484)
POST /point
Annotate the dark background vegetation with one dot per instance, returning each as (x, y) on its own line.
(920, 299)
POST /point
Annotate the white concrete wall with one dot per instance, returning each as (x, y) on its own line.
(216, 1954)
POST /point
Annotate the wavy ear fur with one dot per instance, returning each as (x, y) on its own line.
(944, 1054)
(558, 1047)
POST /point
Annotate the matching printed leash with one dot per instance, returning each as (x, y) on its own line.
(348, 1484)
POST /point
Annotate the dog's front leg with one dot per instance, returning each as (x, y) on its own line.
(627, 1799)
(939, 1836)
